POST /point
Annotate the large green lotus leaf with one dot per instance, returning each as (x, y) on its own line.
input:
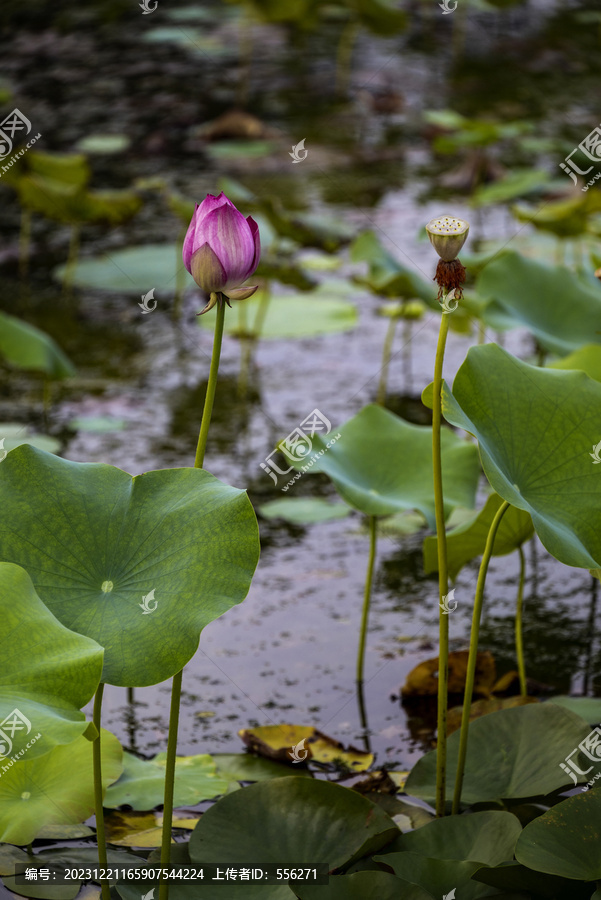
(248, 767)
(382, 465)
(487, 837)
(468, 540)
(516, 184)
(437, 876)
(363, 886)
(516, 880)
(142, 784)
(140, 564)
(291, 316)
(54, 789)
(512, 753)
(586, 359)
(588, 708)
(386, 276)
(131, 271)
(13, 434)
(566, 840)
(562, 310)
(291, 821)
(27, 347)
(535, 429)
(48, 674)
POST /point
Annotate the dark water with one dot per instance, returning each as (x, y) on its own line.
(287, 654)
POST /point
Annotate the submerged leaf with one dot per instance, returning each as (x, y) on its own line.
(278, 741)
(422, 681)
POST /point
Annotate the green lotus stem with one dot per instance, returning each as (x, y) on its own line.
(344, 55)
(24, 242)
(373, 537)
(473, 654)
(30, 849)
(212, 384)
(257, 329)
(176, 686)
(176, 694)
(443, 576)
(71, 258)
(98, 810)
(386, 354)
(519, 641)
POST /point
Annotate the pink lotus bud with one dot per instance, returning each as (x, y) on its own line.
(221, 248)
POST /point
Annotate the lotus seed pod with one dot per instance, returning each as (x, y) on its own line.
(447, 235)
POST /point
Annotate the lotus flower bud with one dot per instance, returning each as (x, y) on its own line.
(221, 249)
(447, 235)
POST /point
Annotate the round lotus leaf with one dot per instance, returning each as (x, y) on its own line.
(139, 564)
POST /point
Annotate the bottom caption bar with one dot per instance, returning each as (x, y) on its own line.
(145, 876)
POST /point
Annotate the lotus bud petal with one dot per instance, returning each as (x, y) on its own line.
(221, 248)
(447, 235)
(242, 293)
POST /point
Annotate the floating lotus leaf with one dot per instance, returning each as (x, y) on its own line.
(248, 767)
(562, 310)
(26, 347)
(13, 434)
(140, 564)
(363, 886)
(142, 784)
(565, 841)
(468, 540)
(132, 271)
(505, 760)
(536, 429)
(304, 510)
(382, 465)
(54, 789)
(588, 708)
(49, 673)
(291, 316)
(302, 821)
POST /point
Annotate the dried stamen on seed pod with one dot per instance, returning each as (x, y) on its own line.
(450, 276)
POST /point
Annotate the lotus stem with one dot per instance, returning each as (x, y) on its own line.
(24, 242)
(257, 328)
(211, 386)
(443, 576)
(71, 258)
(373, 537)
(176, 685)
(473, 654)
(386, 354)
(98, 809)
(519, 638)
(344, 56)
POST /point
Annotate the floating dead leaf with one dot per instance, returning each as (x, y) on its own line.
(422, 681)
(379, 782)
(133, 829)
(509, 685)
(300, 743)
(483, 707)
(235, 124)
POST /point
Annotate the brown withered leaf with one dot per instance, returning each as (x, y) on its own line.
(422, 681)
(483, 707)
(277, 742)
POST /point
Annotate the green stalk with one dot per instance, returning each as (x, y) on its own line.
(386, 354)
(97, 764)
(443, 576)
(344, 56)
(212, 384)
(373, 536)
(519, 640)
(176, 687)
(473, 655)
